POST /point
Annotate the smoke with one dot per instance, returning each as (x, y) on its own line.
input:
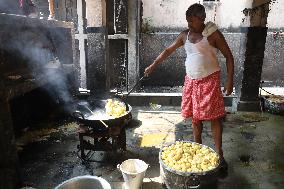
(10, 6)
(36, 48)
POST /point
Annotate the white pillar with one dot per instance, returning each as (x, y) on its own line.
(82, 37)
(51, 10)
(133, 38)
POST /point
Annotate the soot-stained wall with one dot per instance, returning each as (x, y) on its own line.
(28, 50)
(172, 71)
(163, 20)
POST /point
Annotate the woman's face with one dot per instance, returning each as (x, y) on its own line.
(194, 23)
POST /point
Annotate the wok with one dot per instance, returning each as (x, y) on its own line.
(92, 112)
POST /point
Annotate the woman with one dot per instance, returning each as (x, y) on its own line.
(202, 97)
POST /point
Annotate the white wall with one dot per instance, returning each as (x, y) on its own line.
(229, 13)
(94, 13)
(166, 13)
(276, 15)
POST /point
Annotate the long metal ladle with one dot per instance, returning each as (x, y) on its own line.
(135, 86)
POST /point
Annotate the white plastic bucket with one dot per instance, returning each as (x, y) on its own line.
(85, 182)
(133, 172)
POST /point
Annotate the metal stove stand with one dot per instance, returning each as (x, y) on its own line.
(112, 139)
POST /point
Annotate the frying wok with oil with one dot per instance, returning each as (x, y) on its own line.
(92, 112)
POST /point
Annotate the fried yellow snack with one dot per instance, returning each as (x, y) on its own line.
(189, 157)
(115, 108)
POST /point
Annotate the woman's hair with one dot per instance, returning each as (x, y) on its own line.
(196, 10)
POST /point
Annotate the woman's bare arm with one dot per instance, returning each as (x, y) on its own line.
(166, 53)
(220, 43)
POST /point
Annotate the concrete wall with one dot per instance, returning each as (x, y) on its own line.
(164, 19)
(277, 12)
(96, 64)
(172, 71)
(225, 13)
(94, 13)
(273, 64)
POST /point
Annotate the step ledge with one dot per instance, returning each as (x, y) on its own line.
(166, 95)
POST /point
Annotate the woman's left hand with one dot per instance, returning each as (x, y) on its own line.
(228, 88)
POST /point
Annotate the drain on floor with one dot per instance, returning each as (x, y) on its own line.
(246, 159)
(247, 135)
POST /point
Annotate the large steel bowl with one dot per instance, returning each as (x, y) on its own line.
(175, 179)
(85, 182)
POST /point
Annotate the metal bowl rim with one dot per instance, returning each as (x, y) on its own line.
(128, 112)
(188, 173)
(84, 177)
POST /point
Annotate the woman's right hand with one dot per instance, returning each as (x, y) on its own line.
(149, 70)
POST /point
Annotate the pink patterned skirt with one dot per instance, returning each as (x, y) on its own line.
(202, 99)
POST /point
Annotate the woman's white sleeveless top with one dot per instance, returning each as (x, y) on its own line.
(201, 59)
